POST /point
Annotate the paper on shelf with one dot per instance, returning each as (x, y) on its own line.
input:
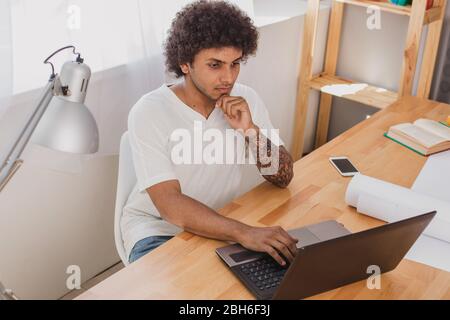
(390, 203)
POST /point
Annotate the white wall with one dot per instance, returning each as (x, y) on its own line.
(51, 218)
(5, 50)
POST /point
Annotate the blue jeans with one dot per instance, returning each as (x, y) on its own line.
(144, 246)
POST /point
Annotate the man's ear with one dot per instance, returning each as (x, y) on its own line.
(184, 68)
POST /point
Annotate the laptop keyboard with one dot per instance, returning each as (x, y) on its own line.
(264, 273)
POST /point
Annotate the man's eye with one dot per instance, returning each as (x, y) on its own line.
(235, 64)
(214, 65)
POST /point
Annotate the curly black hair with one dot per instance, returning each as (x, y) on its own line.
(205, 25)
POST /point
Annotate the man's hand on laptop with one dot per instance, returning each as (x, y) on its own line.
(272, 240)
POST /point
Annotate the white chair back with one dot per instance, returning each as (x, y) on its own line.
(125, 183)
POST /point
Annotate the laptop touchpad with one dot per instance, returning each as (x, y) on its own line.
(304, 236)
(328, 230)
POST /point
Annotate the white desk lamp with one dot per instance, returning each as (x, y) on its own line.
(67, 126)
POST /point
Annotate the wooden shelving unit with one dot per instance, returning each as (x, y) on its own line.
(369, 95)
(373, 96)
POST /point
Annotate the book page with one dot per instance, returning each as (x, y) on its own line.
(434, 127)
(418, 134)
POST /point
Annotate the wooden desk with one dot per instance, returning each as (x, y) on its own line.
(187, 267)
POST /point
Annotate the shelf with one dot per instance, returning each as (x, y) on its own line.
(334, 86)
(384, 6)
(431, 14)
(363, 93)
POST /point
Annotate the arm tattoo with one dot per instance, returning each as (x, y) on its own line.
(274, 163)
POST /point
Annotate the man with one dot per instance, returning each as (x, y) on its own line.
(206, 44)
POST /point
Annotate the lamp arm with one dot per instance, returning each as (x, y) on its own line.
(26, 133)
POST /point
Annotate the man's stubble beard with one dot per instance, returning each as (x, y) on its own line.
(202, 90)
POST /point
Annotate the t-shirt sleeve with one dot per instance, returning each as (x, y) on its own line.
(149, 145)
(261, 118)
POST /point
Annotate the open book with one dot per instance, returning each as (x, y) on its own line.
(424, 136)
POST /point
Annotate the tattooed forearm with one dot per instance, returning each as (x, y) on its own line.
(274, 163)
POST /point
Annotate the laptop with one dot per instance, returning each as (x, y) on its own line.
(328, 256)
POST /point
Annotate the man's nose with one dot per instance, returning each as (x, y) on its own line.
(227, 76)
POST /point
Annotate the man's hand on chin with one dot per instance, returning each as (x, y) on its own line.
(237, 112)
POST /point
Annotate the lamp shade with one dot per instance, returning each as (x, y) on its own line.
(67, 126)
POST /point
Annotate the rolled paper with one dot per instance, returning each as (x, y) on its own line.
(389, 202)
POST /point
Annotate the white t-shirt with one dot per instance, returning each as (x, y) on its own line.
(159, 126)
